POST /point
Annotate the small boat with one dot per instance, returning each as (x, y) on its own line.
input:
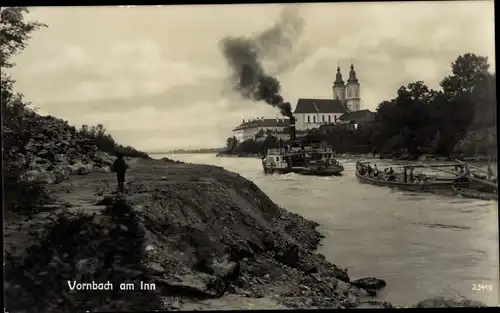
(428, 184)
(476, 194)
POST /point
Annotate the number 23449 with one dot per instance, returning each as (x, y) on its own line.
(482, 287)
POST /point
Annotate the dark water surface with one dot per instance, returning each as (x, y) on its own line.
(422, 245)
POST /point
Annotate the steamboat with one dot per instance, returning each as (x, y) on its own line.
(301, 159)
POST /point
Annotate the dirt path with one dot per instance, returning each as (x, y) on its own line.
(79, 193)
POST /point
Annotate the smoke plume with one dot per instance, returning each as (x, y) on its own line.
(244, 56)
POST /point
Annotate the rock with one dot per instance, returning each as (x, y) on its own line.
(240, 251)
(311, 270)
(86, 266)
(31, 146)
(291, 256)
(46, 154)
(39, 175)
(49, 145)
(72, 153)
(62, 172)
(156, 268)
(200, 285)
(41, 161)
(101, 169)
(89, 167)
(65, 143)
(79, 168)
(225, 269)
(61, 158)
(442, 302)
(42, 167)
(58, 178)
(82, 171)
(102, 158)
(370, 283)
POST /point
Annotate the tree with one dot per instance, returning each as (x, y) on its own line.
(469, 100)
(466, 70)
(231, 144)
(100, 130)
(17, 128)
(483, 98)
(14, 33)
(403, 122)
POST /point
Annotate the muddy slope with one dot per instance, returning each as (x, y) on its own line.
(196, 232)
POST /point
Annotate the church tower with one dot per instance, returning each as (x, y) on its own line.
(339, 87)
(352, 90)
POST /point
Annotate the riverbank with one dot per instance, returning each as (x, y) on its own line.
(195, 231)
(205, 237)
(239, 155)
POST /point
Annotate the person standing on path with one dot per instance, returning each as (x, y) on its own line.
(120, 167)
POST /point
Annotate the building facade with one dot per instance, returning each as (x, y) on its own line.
(250, 128)
(311, 113)
(357, 118)
(351, 120)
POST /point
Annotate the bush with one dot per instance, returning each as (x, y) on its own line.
(252, 146)
(21, 196)
(107, 144)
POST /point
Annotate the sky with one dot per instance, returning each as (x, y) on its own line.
(156, 78)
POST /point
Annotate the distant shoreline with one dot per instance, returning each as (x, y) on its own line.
(186, 152)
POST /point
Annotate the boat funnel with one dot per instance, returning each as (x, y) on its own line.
(292, 128)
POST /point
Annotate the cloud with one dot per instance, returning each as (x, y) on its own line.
(155, 76)
(421, 69)
(151, 129)
(119, 70)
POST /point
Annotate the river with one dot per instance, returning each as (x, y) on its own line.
(422, 245)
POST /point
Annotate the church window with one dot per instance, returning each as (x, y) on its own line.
(349, 94)
(309, 119)
(329, 118)
(323, 118)
(335, 118)
(357, 94)
(314, 119)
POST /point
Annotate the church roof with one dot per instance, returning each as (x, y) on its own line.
(305, 106)
(352, 76)
(266, 122)
(361, 116)
(338, 78)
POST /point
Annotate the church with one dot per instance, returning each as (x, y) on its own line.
(342, 108)
(312, 113)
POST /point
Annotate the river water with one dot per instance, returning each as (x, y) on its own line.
(422, 245)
